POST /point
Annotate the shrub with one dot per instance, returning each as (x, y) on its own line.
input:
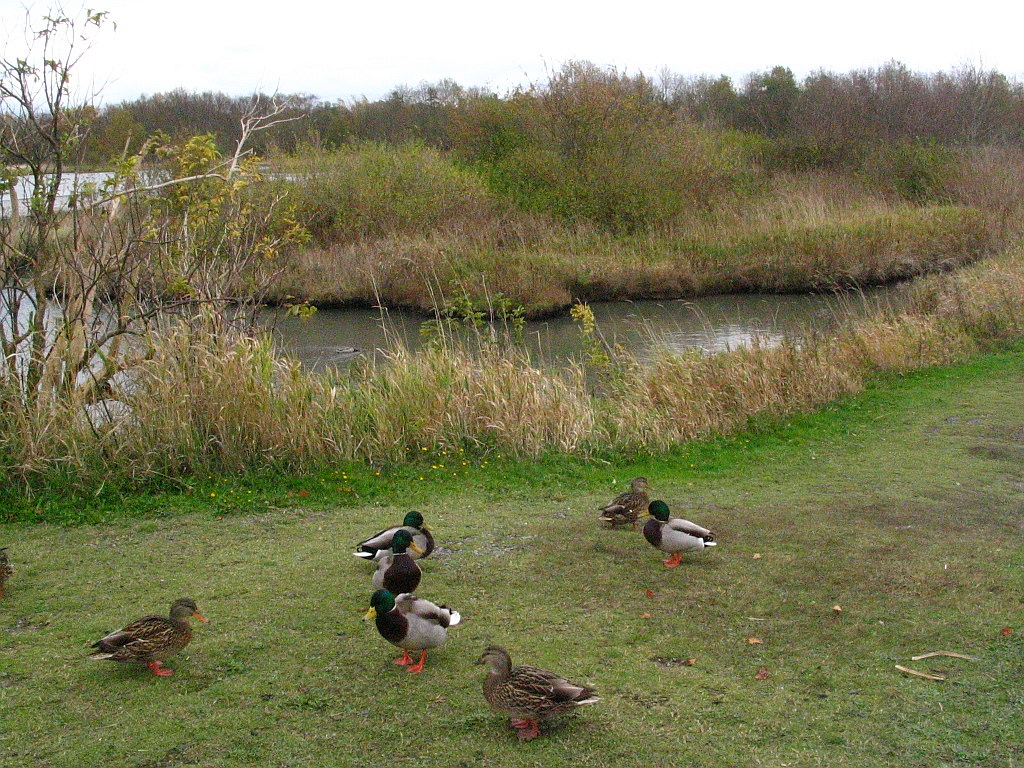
(598, 147)
(920, 172)
(370, 191)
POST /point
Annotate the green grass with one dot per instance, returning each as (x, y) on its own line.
(902, 506)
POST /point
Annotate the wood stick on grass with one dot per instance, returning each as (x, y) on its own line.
(943, 653)
(914, 672)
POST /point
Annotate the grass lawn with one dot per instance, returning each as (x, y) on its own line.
(851, 540)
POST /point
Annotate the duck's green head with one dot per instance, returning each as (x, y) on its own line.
(381, 601)
(401, 541)
(413, 519)
(658, 509)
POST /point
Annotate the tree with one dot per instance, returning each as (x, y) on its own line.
(40, 134)
(179, 233)
(771, 98)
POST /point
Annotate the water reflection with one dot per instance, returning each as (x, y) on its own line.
(716, 323)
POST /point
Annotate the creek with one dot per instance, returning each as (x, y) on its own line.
(712, 324)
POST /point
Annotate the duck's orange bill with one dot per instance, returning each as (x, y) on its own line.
(198, 615)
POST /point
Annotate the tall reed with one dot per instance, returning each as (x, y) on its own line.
(210, 403)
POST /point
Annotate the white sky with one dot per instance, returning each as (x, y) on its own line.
(344, 49)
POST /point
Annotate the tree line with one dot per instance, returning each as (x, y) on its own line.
(820, 120)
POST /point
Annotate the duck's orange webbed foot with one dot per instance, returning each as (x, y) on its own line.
(159, 669)
(418, 666)
(527, 729)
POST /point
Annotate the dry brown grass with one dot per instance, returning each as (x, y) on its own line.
(791, 246)
(992, 180)
(683, 397)
(790, 232)
(206, 403)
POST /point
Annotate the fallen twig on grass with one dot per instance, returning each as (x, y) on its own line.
(914, 672)
(943, 653)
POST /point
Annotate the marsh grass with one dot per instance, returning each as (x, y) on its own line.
(680, 397)
(205, 404)
(899, 505)
(545, 270)
(399, 225)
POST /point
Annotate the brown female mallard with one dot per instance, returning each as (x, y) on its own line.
(5, 569)
(673, 534)
(396, 571)
(411, 623)
(529, 694)
(381, 541)
(151, 639)
(629, 505)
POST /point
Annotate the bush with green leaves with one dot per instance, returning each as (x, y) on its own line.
(367, 191)
(598, 147)
(920, 171)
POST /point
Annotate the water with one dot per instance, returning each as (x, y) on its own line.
(711, 324)
(70, 183)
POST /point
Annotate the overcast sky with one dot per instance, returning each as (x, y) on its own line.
(345, 49)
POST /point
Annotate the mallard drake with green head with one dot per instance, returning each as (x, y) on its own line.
(151, 639)
(396, 571)
(5, 569)
(629, 505)
(381, 541)
(411, 623)
(527, 694)
(673, 534)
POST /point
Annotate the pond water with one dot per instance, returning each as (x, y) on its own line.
(69, 184)
(712, 324)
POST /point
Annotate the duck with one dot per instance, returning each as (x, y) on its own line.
(528, 694)
(396, 571)
(5, 569)
(629, 505)
(413, 522)
(151, 639)
(673, 534)
(411, 623)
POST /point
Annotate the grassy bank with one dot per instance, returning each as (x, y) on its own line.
(783, 244)
(206, 408)
(410, 226)
(900, 505)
